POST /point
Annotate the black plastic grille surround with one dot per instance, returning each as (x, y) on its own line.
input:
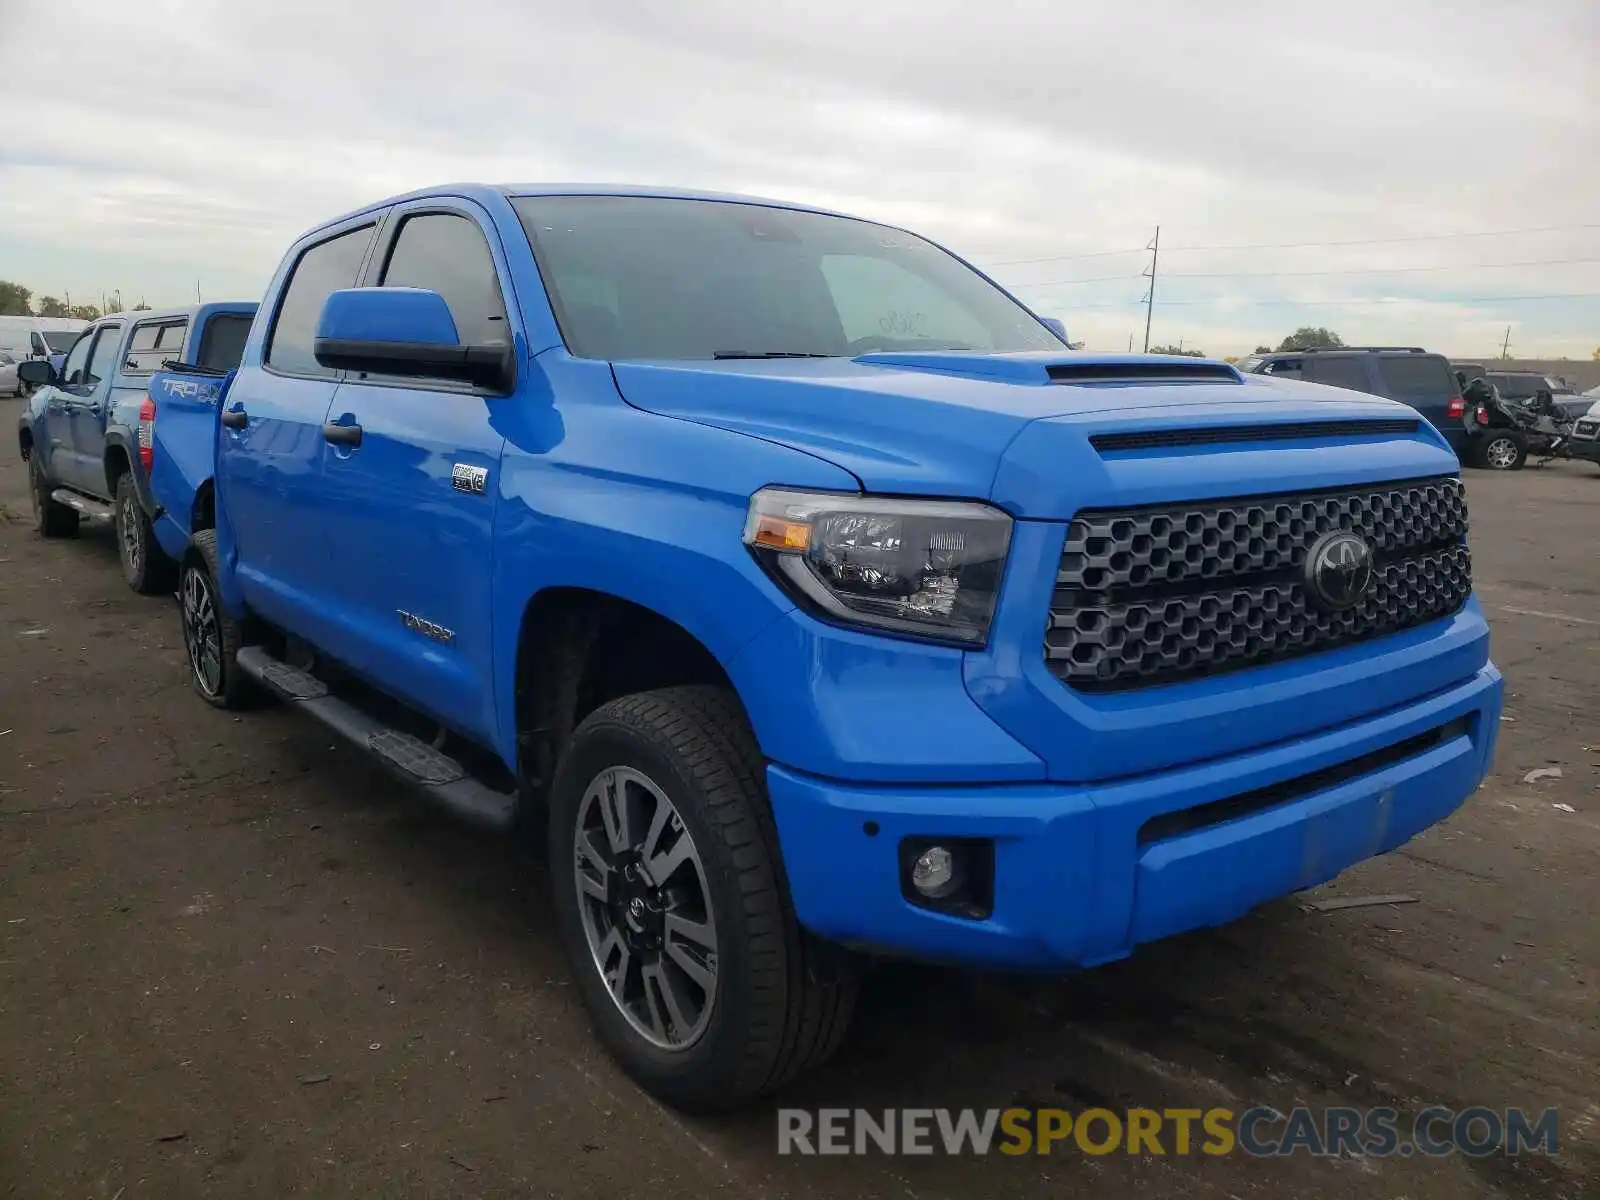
(1160, 594)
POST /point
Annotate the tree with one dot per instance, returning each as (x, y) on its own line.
(83, 312)
(1262, 350)
(15, 300)
(53, 306)
(1177, 350)
(1308, 338)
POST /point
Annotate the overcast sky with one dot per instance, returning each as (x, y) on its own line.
(152, 143)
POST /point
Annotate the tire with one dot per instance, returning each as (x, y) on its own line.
(51, 518)
(774, 1008)
(211, 638)
(1502, 451)
(145, 564)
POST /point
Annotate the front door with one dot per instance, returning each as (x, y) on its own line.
(412, 504)
(90, 401)
(52, 435)
(272, 448)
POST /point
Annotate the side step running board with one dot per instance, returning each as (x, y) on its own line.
(413, 760)
(92, 510)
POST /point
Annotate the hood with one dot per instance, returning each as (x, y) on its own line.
(1017, 428)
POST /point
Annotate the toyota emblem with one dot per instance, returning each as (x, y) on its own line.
(1338, 570)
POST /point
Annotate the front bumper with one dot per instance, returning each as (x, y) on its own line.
(1584, 447)
(1075, 882)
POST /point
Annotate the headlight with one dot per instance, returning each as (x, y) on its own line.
(927, 568)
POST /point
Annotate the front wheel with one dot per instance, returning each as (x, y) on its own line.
(145, 564)
(50, 517)
(1503, 452)
(673, 910)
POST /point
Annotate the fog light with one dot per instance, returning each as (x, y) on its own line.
(934, 874)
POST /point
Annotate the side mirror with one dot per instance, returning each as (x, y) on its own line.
(36, 372)
(1056, 327)
(407, 332)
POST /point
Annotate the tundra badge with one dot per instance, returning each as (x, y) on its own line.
(426, 628)
(466, 478)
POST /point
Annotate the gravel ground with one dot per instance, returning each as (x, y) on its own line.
(236, 961)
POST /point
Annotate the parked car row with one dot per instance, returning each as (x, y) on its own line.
(798, 588)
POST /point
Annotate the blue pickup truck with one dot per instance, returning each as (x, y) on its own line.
(87, 432)
(812, 601)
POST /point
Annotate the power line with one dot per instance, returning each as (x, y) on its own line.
(1395, 299)
(1421, 237)
(1269, 301)
(1545, 262)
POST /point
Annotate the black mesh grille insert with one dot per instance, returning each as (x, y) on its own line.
(1149, 439)
(1154, 595)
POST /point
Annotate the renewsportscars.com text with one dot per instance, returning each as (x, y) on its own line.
(1260, 1131)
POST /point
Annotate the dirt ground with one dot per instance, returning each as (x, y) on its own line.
(235, 961)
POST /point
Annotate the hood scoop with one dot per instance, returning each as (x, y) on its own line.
(1222, 435)
(1043, 368)
(1143, 371)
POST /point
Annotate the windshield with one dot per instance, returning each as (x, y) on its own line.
(60, 340)
(636, 277)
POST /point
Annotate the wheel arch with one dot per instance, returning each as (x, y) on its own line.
(579, 647)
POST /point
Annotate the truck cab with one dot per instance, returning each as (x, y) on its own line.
(85, 432)
(814, 602)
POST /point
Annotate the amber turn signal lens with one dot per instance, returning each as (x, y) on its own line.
(776, 533)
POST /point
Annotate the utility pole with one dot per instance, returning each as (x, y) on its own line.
(1150, 297)
(1130, 343)
(1505, 346)
(197, 291)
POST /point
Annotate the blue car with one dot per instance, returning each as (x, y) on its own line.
(87, 431)
(811, 601)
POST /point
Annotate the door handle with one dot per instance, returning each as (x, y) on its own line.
(235, 418)
(342, 435)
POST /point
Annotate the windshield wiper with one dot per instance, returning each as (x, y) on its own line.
(769, 354)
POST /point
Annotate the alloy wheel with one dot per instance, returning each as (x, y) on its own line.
(646, 907)
(1501, 453)
(128, 534)
(201, 636)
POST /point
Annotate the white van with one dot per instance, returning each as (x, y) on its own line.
(22, 338)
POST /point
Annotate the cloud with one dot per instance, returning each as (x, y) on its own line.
(198, 139)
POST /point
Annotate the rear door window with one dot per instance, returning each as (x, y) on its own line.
(322, 269)
(1417, 377)
(1345, 372)
(222, 343)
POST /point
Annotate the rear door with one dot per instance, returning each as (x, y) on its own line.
(410, 511)
(1425, 382)
(89, 398)
(270, 466)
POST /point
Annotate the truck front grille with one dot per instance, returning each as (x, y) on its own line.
(1160, 594)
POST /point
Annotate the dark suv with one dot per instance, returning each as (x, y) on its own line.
(1408, 374)
(1520, 387)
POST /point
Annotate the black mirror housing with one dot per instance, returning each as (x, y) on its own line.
(36, 372)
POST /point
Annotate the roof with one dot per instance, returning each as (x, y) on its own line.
(485, 191)
(186, 310)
